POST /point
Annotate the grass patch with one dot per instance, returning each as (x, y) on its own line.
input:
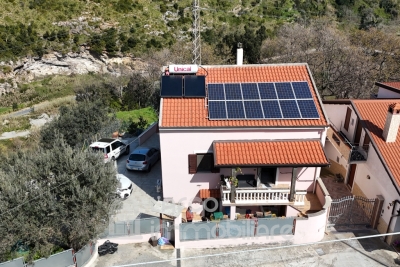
(5, 110)
(147, 113)
(16, 124)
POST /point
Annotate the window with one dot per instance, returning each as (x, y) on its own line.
(116, 145)
(336, 139)
(203, 162)
(107, 149)
(347, 121)
(337, 159)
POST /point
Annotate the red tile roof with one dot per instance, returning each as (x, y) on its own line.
(242, 153)
(192, 112)
(373, 113)
(394, 85)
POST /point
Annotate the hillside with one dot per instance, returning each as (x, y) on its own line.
(36, 27)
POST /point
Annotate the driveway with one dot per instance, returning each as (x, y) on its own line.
(144, 193)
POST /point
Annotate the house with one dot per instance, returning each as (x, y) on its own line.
(263, 124)
(363, 145)
(388, 90)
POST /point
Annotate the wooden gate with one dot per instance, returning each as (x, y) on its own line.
(351, 211)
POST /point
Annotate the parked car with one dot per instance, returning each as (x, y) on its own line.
(142, 159)
(125, 186)
(112, 148)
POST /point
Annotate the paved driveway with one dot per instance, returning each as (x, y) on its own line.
(144, 193)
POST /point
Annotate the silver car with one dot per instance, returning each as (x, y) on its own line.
(142, 159)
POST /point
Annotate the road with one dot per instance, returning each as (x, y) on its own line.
(366, 252)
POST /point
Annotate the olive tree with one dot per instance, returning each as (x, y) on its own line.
(57, 197)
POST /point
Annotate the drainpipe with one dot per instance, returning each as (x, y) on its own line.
(396, 201)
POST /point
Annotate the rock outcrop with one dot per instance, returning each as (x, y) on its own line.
(29, 68)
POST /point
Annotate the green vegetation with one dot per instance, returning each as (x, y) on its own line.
(5, 110)
(33, 27)
(147, 113)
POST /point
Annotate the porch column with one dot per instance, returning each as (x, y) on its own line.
(293, 184)
(233, 212)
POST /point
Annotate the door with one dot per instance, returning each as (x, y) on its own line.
(268, 176)
(353, 168)
(358, 134)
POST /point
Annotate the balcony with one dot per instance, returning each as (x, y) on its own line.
(262, 196)
(358, 154)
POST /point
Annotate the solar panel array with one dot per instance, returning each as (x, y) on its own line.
(183, 86)
(286, 100)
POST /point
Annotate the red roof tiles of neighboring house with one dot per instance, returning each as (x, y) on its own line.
(277, 153)
(394, 85)
(193, 112)
(373, 113)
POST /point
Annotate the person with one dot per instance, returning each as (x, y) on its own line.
(166, 71)
(189, 214)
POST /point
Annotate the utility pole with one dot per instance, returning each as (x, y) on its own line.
(196, 33)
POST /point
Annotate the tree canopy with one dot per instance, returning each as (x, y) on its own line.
(57, 197)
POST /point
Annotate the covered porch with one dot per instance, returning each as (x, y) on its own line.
(265, 172)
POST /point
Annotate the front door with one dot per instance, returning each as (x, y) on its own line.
(268, 176)
(353, 168)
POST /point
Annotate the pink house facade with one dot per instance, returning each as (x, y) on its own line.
(275, 155)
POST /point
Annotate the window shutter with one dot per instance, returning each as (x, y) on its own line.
(367, 140)
(192, 163)
(347, 121)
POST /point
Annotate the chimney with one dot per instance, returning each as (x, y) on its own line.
(392, 123)
(239, 55)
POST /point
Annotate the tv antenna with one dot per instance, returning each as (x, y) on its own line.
(196, 33)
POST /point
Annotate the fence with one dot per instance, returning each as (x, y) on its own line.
(136, 227)
(236, 228)
(62, 259)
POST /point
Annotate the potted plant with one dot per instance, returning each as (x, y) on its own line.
(234, 181)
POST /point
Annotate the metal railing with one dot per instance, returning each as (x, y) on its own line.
(135, 227)
(358, 153)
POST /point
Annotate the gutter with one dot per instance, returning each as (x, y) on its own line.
(376, 148)
(205, 128)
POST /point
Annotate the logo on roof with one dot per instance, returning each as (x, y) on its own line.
(183, 68)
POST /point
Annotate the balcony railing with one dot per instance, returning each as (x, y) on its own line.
(262, 196)
(358, 154)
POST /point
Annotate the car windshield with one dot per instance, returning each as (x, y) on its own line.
(137, 157)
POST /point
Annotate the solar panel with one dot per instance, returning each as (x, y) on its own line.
(267, 91)
(308, 109)
(232, 91)
(250, 91)
(284, 90)
(301, 90)
(194, 86)
(253, 110)
(289, 109)
(217, 109)
(235, 109)
(216, 91)
(271, 109)
(172, 86)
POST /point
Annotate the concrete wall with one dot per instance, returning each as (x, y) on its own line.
(378, 184)
(384, 93)
(337, 116)
(180, 186)
(333, 154)
(148, 133)
(307, 230)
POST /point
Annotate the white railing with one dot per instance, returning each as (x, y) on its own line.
(299, 197)
(261, 196)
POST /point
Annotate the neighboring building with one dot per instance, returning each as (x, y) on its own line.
(364, 145)
(388, 90)
(267, 120)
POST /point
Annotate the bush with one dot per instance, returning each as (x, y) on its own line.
(136, 128)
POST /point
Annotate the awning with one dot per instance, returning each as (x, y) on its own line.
(167, 208)
(307, 153)
(206, 193)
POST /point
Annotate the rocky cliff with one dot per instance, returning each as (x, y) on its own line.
(30, 68)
